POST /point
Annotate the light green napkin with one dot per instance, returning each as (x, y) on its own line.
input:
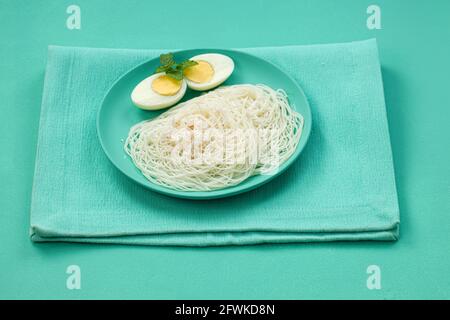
(342, 186)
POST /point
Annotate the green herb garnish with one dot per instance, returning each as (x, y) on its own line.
(171, 67)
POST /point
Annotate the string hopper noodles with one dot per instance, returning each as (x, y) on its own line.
(217, 140)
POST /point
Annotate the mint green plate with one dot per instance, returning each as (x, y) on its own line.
(117, 115)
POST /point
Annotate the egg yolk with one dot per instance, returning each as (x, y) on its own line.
(200, 73)
(166, 86)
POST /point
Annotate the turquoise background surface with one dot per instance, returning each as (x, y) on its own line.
(414, 51)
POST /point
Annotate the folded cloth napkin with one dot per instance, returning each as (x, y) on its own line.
(342, 187)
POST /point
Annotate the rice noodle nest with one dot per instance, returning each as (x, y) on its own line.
(218, 139)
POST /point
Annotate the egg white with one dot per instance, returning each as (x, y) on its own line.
(222, 65)
(145, 98)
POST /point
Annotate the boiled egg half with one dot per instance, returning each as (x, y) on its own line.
(158, 91)
(211, 70)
